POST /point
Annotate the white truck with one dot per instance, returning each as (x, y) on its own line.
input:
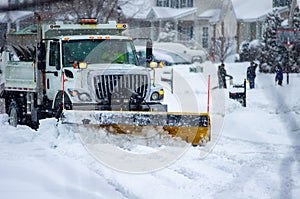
(86, 66)
(88, 74)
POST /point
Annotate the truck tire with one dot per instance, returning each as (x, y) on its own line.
(58, 104)
(14, 114)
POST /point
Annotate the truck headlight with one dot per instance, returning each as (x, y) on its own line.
(157, 95)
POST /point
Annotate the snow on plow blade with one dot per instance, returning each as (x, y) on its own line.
(194, 128)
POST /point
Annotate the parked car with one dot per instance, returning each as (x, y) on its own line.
(192, 55)
(162, 57)
(166, 60)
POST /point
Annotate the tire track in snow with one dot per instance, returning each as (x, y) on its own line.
(69, 141)
(258, 163)
(253, 161)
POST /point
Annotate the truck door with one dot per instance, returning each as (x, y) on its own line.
(53, 72)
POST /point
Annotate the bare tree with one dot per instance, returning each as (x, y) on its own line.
(223, 48)
(103, 10)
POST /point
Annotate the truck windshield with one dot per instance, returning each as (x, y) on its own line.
(99, 51)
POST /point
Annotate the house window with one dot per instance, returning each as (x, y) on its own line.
(174, 4)
(186, 3)
(190, 3)
(205, 37)
(182, 3)
(162, 3)
(186, 33)
(279, 3)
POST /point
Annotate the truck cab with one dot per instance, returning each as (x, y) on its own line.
(85, 66)
(98, 72)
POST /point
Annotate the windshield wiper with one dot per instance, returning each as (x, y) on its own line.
(184, 63)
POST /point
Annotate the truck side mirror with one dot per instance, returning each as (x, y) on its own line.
(149, 54)
(41, 56)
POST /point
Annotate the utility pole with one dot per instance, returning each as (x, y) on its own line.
(292, 7)
(291, 13)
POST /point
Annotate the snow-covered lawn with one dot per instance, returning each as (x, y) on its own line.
(254, 153)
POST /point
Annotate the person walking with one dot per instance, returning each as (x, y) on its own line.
(251, 74)
(279, 75)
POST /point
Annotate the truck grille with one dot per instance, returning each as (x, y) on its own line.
(121, 86)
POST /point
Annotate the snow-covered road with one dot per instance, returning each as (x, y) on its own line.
(256, 153)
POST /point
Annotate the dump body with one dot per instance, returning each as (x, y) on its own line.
(19, 76)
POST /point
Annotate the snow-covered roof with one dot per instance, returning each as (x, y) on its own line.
(4, 3)
(171, 13)
(254, 9)
(13, 16)
(245, 10)
(138, 9)
(158, 12)
(212, 15)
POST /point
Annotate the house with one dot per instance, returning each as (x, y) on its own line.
(250, 23)
(154, 17)
(199, 22)
(205, 22)
(208, 24)
(217, 27)
(15, 19)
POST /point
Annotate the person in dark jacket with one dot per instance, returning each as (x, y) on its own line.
(279, 75)
(251, 74)
(222, 76)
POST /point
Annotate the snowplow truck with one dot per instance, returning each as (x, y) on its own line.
(87, 74)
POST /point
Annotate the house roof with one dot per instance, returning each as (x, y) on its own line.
(13, 16)
(138, 9)
(213, 15)
(158, 13)
(245, 10)
(254, 10)
(171, 13)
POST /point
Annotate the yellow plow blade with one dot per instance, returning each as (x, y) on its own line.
(194, 128)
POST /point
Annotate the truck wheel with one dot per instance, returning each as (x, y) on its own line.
(58, 105)
(13, 113)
